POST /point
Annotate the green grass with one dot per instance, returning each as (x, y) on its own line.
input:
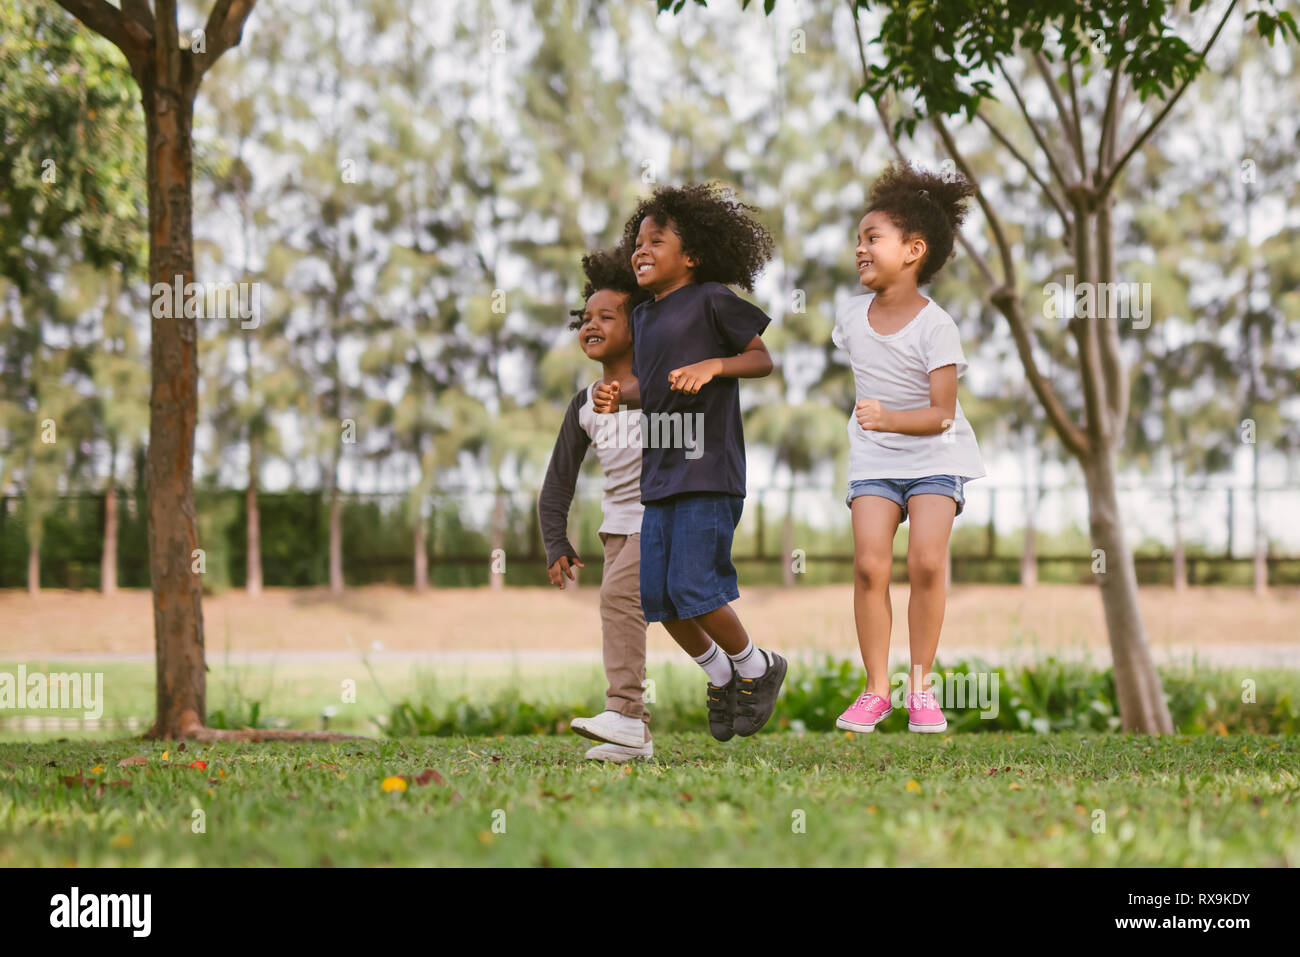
(886, 799)
(402, 699)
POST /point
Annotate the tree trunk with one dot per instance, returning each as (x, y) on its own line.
(421, 556)
(108, 562)
(497, 579)
(253, 580)
(1029, 552)
(1137, 683)
(1180, 549)
(1261, 537)
(173, 411)
(787, 537)
(33, 560)
(336, 540)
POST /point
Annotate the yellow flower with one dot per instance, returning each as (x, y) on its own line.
(97, 769)
(394, 784)
(913, 787)
(122, 840)
(166, 753)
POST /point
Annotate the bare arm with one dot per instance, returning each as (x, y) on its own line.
(753, 362)
(934, 420)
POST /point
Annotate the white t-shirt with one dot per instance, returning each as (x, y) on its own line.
(895, 369)
(616, 437)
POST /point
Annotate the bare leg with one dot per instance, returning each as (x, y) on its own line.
(720, 625)
(927, 552)
(725, 628)
(688, 634)
(875, 520)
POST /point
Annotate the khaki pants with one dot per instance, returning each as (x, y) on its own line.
(623, 627)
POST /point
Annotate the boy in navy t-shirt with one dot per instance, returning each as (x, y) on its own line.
(690, 345)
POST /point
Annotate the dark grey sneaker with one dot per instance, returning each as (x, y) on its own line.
(722, 708)
(756, 697)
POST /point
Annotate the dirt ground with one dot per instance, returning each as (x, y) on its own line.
(1219, 622)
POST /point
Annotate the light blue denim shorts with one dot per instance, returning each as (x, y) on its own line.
(899, 491)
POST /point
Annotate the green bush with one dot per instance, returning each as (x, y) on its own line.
(1046, 696)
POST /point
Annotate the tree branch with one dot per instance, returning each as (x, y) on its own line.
(167, 45)
(1169, 105)
(1116, 385)
(1068, 120)
(1106, 146)
(1084, 329)
(132, 38)
(138, 10)
(1033, 128)
(224, 29)
(1047, 190)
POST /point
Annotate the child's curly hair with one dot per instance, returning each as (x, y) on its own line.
(717, 231)
(925, 204)
(609, 269)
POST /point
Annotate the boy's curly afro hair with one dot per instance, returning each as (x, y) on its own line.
(609, 269)
(717, 231)
(929, 205)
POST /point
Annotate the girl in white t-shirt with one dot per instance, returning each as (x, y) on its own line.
(911, 449)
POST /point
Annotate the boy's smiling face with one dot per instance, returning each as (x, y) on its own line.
(657, 259)
(883, 251)
(605, 333)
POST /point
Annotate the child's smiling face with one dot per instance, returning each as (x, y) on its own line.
(884, 253)
(657, 259)
(605, 333)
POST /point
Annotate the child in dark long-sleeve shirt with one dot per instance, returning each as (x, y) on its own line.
(622, 729)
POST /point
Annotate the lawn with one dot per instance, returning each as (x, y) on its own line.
(782, 799)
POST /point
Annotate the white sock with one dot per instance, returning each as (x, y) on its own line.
(750, 663)
(715, 665)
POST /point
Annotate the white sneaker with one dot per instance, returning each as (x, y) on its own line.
(617, 754)
(612, 728)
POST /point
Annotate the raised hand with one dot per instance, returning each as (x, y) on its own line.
(605, 397)
(693, 377)
(871, 414)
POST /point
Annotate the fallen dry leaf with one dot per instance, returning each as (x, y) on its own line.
(133, 760)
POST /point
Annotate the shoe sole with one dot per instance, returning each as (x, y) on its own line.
(927, 728)
(593, 736)
(864, 728)
(780, 682)
(630, 757)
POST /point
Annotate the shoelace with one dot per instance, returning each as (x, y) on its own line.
(864, 699)
(924, 699)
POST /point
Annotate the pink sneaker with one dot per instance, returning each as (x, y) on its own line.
(865, 713)
(923, 713)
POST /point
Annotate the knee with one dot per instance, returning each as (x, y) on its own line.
(927, 569)
(872, 571)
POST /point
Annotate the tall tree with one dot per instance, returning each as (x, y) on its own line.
(948, 64)
(168, 75)
(71, 219)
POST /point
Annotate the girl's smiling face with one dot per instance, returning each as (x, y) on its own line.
(884, 253)
(657, 259)
(605, 332)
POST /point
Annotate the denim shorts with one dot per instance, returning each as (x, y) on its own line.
(686, 565)
(899, 491)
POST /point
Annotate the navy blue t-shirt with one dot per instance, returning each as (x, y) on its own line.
(691, 443)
